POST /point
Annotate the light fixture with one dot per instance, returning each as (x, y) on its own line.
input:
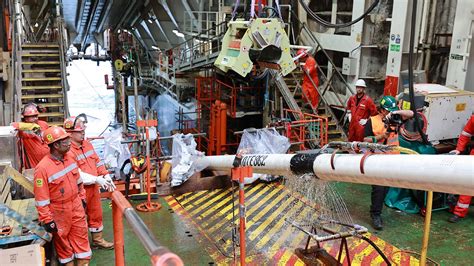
(154, 47)
(119, 30)
(36, 25)
(150, 20)
(179, 34)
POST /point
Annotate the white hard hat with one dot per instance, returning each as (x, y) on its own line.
(361, 83)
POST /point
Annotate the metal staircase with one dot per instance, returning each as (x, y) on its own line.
(42, 81)
(294, 90)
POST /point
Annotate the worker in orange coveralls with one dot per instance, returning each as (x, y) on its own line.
(311, 68)
(461, 208)
(360, 108)
(90, 163)
(30, 131)
(60, 199)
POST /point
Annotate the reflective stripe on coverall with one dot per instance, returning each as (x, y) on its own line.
(309, 90)
(89, 162)
(463, 202)
(58, 193)
(35, 148)
(363, 110)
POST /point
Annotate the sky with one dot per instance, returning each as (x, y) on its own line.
(88, 94)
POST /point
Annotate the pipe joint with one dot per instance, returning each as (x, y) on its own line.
(162, 256)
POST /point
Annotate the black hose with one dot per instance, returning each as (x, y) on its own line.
(389, 263)
(410, 73)
(341, 25)
(273, 14)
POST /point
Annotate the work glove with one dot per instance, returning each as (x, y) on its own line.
(26, 126)
(51, 227)
(110, 182)
(362, 122)
(102, 183)
(454, 152)
(348, 117)
(87, 179)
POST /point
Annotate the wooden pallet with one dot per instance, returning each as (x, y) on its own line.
(24, 207)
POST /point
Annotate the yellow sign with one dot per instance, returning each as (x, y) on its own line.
(118, 65)
(39, 182)
(406, 105)
(460, 107)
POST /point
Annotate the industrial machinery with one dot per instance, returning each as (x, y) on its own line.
(262, 41)
(446, 110)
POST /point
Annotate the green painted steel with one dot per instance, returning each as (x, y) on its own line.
(169, 231)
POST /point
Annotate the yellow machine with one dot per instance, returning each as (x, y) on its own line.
(262, 41)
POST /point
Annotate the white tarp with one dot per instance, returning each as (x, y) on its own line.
(184, 157)
(262, 141)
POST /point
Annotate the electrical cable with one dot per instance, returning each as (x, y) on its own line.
(414, 136)
(410, 72)
(234, 12)
(376, 248)
(273, 14)
(277, 3)
(414, 253)
(341, 25)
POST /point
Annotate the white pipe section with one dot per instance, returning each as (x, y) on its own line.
(273, 164)
(440, 173)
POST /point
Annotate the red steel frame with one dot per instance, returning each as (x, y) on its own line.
(298, 132)
(232, 102)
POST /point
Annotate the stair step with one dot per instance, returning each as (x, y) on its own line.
(41, 51)
(40, 96)
(40, 55)
(328, 116)
(51, 87)
(52, 114)
(56, 123)
(334, 132)
(48, 105)
(41, 70)
(42, 79)
(336, 139)
(40, 45)
(41, 63)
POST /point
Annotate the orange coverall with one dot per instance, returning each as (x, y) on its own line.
(89, 162)
(309, 90)
(58, 193)
(35, 148)
(463, 202)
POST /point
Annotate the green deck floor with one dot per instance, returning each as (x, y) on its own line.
(169, 230)
(450, 244)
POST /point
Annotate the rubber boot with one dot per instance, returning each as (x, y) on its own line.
(99, 242)
(80, 262)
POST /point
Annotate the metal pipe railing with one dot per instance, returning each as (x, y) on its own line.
(159, 255)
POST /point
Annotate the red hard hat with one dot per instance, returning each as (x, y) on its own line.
(54, 133)
(30, 110)
(74, 124)
(302, 52)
